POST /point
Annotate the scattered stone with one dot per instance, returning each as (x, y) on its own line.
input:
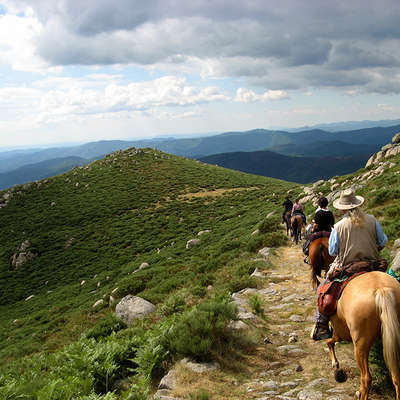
(114, 291)
(271, 385)
(192, 242)
(308, 394)
(168, 381)
(132, 307)
(30, 297)
(296, 318)
(203, 232)
(237, 325)
(257, 274)
(144, 265)
(264, 252)
(246, 315)
(267, 340)
(98, 303)
(256, 232)
(200, 367)
(271, 214)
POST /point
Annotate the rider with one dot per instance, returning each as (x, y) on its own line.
(356, 237)
(298, 209)
(323, 221)
(288, 204)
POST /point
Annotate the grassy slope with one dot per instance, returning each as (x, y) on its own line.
(137, 208)
(108, 218)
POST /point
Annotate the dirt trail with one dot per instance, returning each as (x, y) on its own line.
(287, 365)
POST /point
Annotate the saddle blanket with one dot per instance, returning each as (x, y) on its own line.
(329, 294)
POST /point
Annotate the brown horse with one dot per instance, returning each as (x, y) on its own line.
(369, 309)
(286, 217)
(319, 258)
(297, 224)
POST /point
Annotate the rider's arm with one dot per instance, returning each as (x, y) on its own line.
(381, 238)
(333, 243)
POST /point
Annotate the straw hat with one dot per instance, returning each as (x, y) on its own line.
(348, 200)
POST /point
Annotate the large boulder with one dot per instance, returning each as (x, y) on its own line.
(132, 307)
(396, 138)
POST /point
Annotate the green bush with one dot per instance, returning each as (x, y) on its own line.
(255, 243)
(274, 239)
(256, 304)
(131, 285)
(200, 395)
(268, 225)
(204, 328)
(106, 327)
(175, 303)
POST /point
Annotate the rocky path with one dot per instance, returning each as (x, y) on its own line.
(287, 364)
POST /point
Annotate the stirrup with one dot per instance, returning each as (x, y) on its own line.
(306, 260)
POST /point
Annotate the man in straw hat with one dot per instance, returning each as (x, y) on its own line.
(356, 237)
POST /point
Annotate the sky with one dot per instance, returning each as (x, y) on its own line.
(86, 70)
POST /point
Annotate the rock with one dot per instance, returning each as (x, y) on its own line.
(237, 325)
(270, 214)
(98, 303)
(396, 138)
(318, 183)
(386, 147)
(296, 318)
(30, 297)
(168, 381)
(132, 307)
(246, 315)
(257, 274)
(396, 244)
(256, 232)
(192, 242)
(308, 394)
(144, 265)
(264, 252)
(115, 290)
(299, 368)
(316, 382)
(308, 190)
(271, 385)
(111, 300)
(203, 232)
(24, 245)
(200, 367)
(396, 262)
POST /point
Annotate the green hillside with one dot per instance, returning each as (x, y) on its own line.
(98, 224)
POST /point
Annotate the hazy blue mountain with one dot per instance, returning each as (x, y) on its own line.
(330, 149)
(254, 140)
(41, 170)
(294, 169)
(346, 126)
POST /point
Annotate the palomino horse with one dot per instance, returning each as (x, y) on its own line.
(319, 258)
(297, 224)
(369, 309)
(286, 217)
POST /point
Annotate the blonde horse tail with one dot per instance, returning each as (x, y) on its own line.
(386, 304)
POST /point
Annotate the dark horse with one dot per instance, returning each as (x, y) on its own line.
(319, 258)
(297, 224)
(286, 217)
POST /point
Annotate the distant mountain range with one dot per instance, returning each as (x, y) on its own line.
(294, 169)
(25, 165)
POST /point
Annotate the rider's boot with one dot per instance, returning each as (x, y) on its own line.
(321, 331)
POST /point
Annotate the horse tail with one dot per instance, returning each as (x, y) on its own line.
(294, 226)
(386, 304)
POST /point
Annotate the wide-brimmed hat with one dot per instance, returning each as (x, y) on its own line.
(348, 200)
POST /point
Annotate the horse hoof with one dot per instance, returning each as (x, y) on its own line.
(340, 375)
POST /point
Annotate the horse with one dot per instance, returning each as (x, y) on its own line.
(319, 258)
(297, 224)
(368, 309)
(286, 217)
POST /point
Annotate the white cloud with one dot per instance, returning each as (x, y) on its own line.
(248, 96)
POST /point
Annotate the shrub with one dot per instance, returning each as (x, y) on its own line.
(174, 304)
(255, 243)
(106, 327)
(203, 328)
(274, 239)
(256, 304)
(131, 285)
(268, 225)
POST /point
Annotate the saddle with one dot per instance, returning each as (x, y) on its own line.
(317, 235)
(329, 293)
